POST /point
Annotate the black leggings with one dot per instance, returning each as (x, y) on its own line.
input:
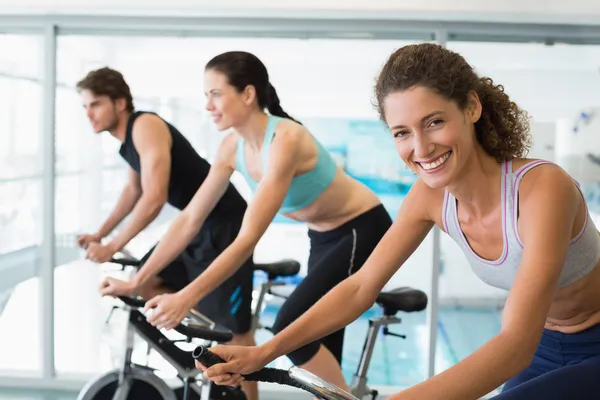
(334, 256)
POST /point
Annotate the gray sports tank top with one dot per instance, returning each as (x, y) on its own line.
(582, 256)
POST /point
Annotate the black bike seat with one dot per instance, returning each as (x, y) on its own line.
(281, 268)
(404, 299)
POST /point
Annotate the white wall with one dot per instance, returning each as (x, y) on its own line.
(574, 11)
(550, 82)
(572, 147)
(543, 138)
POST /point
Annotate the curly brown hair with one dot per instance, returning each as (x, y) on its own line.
(502, 130)
(107, 82)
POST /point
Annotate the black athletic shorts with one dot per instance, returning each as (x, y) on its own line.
(230, 303)
(334, 256)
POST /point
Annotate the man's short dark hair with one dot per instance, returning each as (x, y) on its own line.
(107, 82)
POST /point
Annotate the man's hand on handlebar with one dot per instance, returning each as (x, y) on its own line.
(240, 360)
(84, 240)
(116, 287)
(100, 253)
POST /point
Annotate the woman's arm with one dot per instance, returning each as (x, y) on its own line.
(346, 301)
(333, 311)
(190, 220)
(268, 198)
(547, 209)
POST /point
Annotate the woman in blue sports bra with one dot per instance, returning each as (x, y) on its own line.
(522, 224)
(290, 173)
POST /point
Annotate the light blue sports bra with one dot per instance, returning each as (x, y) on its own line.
(304, 188)
(584, 249)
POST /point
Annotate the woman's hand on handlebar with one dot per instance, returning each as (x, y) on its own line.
(239, 360)
(116, 287)
(168, 309)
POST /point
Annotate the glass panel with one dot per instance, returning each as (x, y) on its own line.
(20, 202)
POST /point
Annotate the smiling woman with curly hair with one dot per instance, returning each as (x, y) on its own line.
(502, 129)
(522, 224)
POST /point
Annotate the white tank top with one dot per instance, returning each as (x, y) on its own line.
(582, 256)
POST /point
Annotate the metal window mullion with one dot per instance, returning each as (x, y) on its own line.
(48, 256)
(441, 37)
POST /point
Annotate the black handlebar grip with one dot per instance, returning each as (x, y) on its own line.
(206, 357)
(125, 262)
(133, 302)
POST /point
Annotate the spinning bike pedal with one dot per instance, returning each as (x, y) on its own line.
(386, 331)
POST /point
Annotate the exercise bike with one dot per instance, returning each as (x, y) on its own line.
(402, 299)
(295, 376)
(392, 302)
(133, 381)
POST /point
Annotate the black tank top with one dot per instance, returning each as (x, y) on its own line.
(188, 171)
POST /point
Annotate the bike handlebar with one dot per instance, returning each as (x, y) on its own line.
(126, 262)
(202, 328)
(295, 376)
(205, 331)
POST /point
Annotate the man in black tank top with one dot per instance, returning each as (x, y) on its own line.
(164, 167)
